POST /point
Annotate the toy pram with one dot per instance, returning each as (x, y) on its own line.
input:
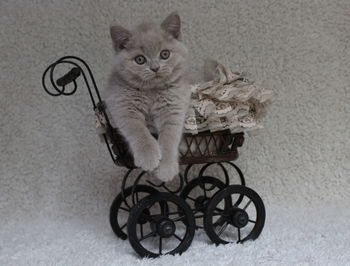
(162, 220)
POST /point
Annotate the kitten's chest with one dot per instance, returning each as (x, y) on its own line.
(152, 103)
(150, 113)
(154, 108)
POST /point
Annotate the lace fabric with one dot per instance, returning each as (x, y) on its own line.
(232, 101)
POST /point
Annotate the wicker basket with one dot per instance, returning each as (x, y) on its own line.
(205, 147)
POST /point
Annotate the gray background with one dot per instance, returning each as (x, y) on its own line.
(52, 165)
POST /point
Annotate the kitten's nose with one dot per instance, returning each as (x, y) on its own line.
(155, 69)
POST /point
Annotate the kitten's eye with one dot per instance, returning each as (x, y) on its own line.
(165, 54)
(140, 59)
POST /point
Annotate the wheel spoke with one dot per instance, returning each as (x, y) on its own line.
(222, 229)
(218, 213)
(160, 245)
(152, 204)
(178, 218)
(196, 210)
(124, 209)
(239, 235)
(123, 226)
(204, 190)
(246, 206)
(164, 210)
(172, 213)
(141, 230)
(179, 238)
(252, 221)
(147, 236)
(218, 209)
(188, 197)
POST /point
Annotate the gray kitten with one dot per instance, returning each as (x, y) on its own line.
(147, 84)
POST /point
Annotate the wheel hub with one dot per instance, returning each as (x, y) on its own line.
(238, 217)
(165, 228)
(201, 203)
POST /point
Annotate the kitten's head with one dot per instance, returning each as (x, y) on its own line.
(151, 55)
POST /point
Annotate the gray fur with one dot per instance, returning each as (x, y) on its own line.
(135, 94)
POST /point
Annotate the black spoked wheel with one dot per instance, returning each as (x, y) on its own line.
(198, 193)
(120, 208)
(167, 230)
(244, 220)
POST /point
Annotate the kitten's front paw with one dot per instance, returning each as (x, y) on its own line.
(167, 170)
(148, 156)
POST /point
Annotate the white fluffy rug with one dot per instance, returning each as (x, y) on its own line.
(318, 235)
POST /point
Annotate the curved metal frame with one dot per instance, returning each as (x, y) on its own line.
(65, 60)
(95, 97)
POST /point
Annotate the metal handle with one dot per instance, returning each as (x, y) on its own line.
(72, 75)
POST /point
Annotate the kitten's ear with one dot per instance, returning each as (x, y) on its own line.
(120, 37)
(172, 25)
